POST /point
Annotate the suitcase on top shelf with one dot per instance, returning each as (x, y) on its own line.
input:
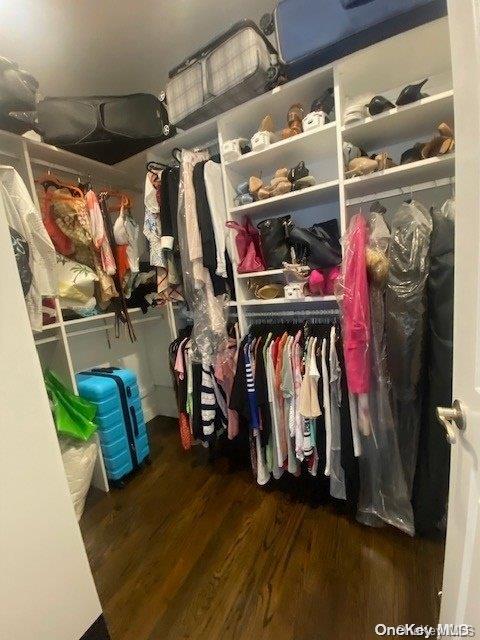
(121, 426)
(106, 128)
(233, 68)
(312, 33)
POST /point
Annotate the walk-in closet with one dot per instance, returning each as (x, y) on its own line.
(239, 338)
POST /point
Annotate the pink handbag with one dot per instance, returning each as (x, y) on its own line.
(249, 249)
(331, 277)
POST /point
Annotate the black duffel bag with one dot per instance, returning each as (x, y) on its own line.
(318, 246)
(18, 95)
(105, 128)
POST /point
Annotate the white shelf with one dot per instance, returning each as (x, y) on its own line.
(53, 325)
(100, 316)
(304, 198)
(402, 176)
(416, 120)
(288, 301)
(260, 274)
(288, 153)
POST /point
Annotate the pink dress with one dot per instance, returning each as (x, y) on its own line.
(356, 309)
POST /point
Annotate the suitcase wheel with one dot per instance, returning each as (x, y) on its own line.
(267, 24)
(166, 129)
(274, 78)
(118, 484)
(162, 96)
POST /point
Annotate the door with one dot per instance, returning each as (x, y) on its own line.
(461, 579)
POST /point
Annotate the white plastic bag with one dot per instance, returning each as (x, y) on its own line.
(79, 460)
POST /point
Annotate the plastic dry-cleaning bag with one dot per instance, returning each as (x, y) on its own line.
(209, 334)
(405, 323)
(384, 496)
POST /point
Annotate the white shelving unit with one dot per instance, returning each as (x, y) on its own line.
(59, 345)
(375, 70)
(371, 71)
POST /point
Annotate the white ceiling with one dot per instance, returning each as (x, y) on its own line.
(81, 47)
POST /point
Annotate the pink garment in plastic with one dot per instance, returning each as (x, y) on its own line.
(356, 307)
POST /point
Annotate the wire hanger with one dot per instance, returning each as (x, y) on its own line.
(177, 154)
(49, 179)
(154, 166)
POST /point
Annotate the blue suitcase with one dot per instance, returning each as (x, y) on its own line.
(312, 33)
(121, 426)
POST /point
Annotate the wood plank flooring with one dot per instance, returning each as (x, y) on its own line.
(190, 550)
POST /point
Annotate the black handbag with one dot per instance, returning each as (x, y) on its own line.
(105, 128)
(18, 95)
(318, 246)
(274, 236)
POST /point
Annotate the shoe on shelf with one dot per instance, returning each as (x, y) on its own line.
(294, 121)
(378, 104)
(411, 93)
(440, 144)
(243, 195)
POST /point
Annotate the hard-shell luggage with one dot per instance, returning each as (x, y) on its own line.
(233, 68)
(121, 426)
(105, 128)
(312, 33)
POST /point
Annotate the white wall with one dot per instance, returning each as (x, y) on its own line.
(112, 46)
(46, 587)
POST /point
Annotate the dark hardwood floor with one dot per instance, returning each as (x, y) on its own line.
(191, 550)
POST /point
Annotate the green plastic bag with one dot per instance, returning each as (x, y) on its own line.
(73, 415)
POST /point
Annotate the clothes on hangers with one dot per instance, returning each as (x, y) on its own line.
(34, 250)
(161, 234)
(405, 322)
(203, 393)
(286, 405)
(433, 465)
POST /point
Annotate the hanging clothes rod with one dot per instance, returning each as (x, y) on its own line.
(401, 191)
(90, 173)
(104, 327)
(8, 154)
(291, 314)
(45, 340)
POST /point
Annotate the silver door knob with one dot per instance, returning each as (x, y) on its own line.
(452, 418)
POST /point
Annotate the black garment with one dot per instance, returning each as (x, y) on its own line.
(261, 390)
(205, 224)
(433, 464)
(239, 396)
(166, 217)
(405, 323)
(348, 460)
(197, 401)
(173, 179)
(204, 217)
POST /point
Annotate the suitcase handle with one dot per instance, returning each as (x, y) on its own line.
(213, 44)
(351, 4)
(134, 422)
(105, 369)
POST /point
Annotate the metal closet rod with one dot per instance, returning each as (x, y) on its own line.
(292, 314)
(401, 191)
(76, 172)
(9, 154)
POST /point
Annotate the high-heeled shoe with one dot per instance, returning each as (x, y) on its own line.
(411, 93)
(440, 144)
